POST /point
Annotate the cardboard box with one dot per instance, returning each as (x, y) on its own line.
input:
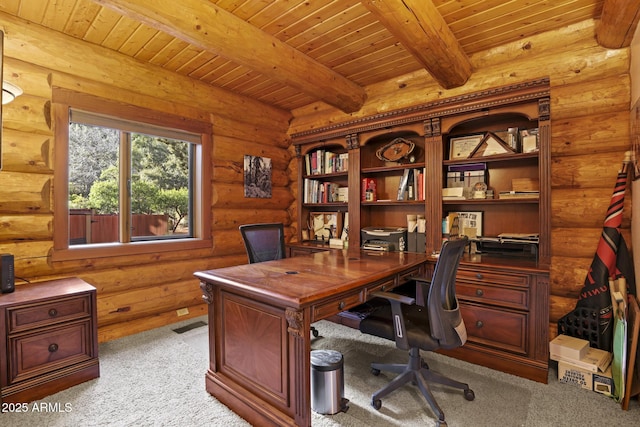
(600, 382)
(595, 360)
(568, 348)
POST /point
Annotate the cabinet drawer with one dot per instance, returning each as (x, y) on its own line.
(51, 349)
(501, 329)
(322, 311)
(385, 285)
(512, 279)
(29, 317)
(405, 276)
(507, 297)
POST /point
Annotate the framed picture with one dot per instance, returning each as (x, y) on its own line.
(462, 147)
(470, 224)
(325, 225)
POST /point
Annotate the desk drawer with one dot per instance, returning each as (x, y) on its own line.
(322, 311)
(406, 276)
(29, 317)
(501, 278)
(51, 349)
(497, 328)
(385, 285)
(507, 297)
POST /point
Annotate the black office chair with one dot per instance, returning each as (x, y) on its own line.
(416, 325)
(265, 242)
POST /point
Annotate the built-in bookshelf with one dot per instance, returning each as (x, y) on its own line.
(482, 162)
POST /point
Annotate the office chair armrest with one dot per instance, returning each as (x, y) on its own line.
(396, 302)
(391, 297)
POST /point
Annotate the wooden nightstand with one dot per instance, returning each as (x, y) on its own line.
(48, 339)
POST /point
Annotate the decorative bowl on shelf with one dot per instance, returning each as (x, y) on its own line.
(396, 150)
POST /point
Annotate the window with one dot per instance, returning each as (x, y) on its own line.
(127, 180)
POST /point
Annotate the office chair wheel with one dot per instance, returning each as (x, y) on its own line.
(469, 394)
(315, 332)
(440, 423)
(375, 371)
(376, 403)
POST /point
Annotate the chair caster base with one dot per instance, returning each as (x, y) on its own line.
(469, 394)
(376, 403)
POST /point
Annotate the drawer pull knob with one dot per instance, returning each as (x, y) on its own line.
(53, 312)
(479, 292)
(341, 305)
(383, 288)
(479, 276)
(479, 324)
(53, 348)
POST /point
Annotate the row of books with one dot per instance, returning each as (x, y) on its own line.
(412, 185)
(317, 191)
(320, 162)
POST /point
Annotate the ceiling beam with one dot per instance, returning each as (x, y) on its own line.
(210, 28)
(618, 23)
(422, 31)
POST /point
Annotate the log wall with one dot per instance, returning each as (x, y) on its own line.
(590, 95)
(135, 293)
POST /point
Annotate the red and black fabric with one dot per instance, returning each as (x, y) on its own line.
(612, 260)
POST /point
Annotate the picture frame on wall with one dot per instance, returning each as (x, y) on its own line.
(462, 147)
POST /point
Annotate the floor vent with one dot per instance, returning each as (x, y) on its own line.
(189, 327)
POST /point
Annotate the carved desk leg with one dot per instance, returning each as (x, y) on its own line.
(300, 369)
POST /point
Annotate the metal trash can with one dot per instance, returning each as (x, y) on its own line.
(327, 382)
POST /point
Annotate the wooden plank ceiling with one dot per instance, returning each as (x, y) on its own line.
(291, 53)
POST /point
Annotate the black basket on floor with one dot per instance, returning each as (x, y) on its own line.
(584, 323)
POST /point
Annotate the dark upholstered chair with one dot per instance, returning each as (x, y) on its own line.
(265, 242)
(422, 325)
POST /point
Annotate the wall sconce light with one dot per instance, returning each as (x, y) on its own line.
(10, 92)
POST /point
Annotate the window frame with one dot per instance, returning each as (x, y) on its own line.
(63, 101)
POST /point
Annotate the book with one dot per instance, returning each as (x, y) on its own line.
(403, 186)
(519, 195)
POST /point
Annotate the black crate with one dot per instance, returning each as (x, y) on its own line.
(584, 323)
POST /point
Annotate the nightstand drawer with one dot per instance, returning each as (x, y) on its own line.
(56, 348)
(497, 328)
(28, 317)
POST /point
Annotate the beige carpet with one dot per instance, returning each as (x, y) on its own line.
(156, 378)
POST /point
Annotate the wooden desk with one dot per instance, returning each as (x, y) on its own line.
(260, 317)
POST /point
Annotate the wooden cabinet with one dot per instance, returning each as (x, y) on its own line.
(505, 310)
(49, 339)
(504, 294)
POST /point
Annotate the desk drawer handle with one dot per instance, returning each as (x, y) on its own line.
(341, 305)
(53, 348)
(383, 288)
(479, 324)
(479, 276)
(479, 292)
(53, 312)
